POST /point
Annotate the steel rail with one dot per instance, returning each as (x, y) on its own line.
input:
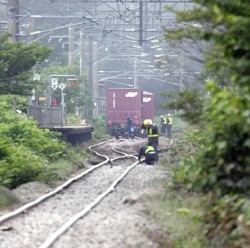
(51, 240)
(59, 232)
(58, 189)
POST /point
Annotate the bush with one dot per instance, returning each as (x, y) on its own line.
(25, 132)
(25, 150)
(100, 131)
(73, 119)
(7, 197)
(18, 164)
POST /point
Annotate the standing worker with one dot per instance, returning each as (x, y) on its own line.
(149, 153)
(169, 125)
(132, 132)
(129, 125)
(152, 133)
(163, 124)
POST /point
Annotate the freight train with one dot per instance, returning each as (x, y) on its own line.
(124, 103)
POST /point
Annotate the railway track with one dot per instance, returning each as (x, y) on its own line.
(49, 220)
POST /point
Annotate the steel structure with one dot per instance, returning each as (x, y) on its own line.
(125, 29)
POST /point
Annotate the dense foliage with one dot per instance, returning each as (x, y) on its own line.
(77, 96)
(25, 150)
(16, 63)
(28, 153)
(220, 165)
(99, 124)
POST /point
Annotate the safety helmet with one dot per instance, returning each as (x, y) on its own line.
(168, 114)
(161, 116)
(147, 122)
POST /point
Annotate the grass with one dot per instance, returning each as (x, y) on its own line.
(178, 214)
(52, 173)
(63, 168)
(7, 198)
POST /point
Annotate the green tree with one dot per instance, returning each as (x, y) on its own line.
(16, 63)
(220, 168)
(25, 150)
(76, 98)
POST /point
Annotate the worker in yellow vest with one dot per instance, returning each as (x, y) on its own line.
(163, 124)
(152, 133)
(169, 125)
(149, 153)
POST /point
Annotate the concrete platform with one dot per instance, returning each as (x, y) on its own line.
(74, 134)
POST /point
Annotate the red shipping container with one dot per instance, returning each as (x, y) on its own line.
(124, 102)
(148, 105)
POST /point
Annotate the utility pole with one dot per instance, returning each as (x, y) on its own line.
(13, 28)
(82, 51)
(90, 76)
(93, 73)
(28, 41)
(71, 44)
(135, 73)
(13, 12)
(95, 86)
(30, 30)
(3, 17)
(181, 73)
(181, 70)
(141, 22)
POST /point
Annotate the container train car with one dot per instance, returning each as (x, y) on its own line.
(122, 103)
(148, 105)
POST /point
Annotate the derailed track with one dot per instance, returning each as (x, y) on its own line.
(52, 193)
(57, 197)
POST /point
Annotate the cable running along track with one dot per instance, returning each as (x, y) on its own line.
(49, 217)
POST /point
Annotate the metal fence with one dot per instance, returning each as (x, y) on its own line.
(47, 116)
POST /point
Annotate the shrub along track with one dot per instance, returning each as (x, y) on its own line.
(42, 223)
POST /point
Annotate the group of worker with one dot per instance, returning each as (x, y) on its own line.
(166, 123)
(150, 151)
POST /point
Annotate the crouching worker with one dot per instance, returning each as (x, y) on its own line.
(149, 153)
